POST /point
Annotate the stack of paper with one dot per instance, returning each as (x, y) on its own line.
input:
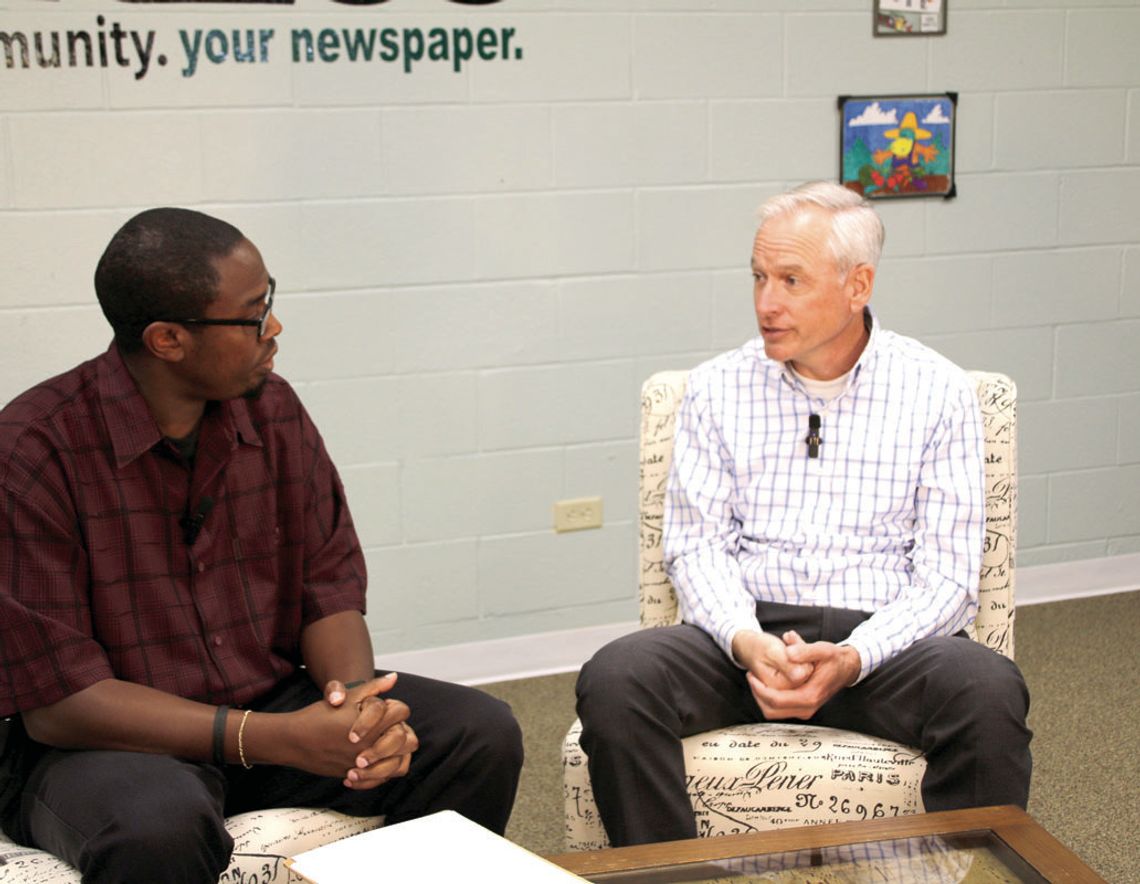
(442, 847)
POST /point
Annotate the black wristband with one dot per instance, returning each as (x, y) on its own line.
(220, 735)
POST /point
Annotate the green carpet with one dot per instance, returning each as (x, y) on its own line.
(1080, 660)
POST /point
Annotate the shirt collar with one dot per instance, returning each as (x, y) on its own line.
(870, 352)
(132, 428)
(865, 360)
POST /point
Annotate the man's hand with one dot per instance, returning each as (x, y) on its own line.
(336, 692)
(316, 738)
(377, 736)
(388, 741)
(766, 658)
(381, 728)
(833, 667)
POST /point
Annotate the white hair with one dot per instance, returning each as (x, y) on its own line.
(856, 230)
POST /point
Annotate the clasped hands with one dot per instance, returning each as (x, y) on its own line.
(791, 678)
(378, 743)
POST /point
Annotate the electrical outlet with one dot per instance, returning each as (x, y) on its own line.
(577, 514)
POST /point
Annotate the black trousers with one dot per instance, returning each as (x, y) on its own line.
(131, 816)
(959, 702)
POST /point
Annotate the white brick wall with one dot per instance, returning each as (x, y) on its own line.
(478, 268)
(991, 49)
(618, 144)
(706, 56)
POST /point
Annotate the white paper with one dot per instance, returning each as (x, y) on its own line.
(444, 846)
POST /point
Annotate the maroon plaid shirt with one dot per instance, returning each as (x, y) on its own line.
(96, 580)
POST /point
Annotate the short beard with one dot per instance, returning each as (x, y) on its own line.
(256, 390)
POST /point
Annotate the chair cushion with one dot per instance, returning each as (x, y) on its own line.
(26, 865)
(263, 839)
(752, 777)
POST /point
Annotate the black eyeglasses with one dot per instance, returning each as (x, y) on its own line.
(261, 322)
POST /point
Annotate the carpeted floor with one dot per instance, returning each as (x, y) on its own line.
(1081, 661)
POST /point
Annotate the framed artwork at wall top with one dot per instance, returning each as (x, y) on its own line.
(894, 146)
(909, 18)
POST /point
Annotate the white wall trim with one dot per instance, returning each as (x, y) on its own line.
(505, 659)
(547, 653)
(1075, 580)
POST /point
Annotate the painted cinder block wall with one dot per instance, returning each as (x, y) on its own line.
(477, 268)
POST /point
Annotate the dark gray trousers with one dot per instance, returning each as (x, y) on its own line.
(131, 816)
(959, 702)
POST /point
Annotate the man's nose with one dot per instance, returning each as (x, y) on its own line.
(764, 298)
(273, 327)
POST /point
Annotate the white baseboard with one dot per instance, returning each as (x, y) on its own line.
(505, 659)
(547, 653)
(1074, 580)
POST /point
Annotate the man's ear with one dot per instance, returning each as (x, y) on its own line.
(860, 281)
(166, 341)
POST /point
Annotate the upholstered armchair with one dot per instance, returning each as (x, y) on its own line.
(263, 840)
(761, 776)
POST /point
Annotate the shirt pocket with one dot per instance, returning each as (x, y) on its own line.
(757, 495)
(257, 567)
(876, 475)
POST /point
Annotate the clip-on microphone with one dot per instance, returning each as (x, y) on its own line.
(813, 440)
(192, 524)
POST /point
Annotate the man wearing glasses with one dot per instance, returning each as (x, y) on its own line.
(182, 593)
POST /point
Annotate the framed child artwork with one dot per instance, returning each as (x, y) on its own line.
(894, 146)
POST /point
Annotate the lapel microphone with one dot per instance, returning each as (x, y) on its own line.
(813, 440)
(191, 524)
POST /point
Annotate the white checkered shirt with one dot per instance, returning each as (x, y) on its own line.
(888, 519)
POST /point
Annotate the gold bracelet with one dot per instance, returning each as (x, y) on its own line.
(241, 741)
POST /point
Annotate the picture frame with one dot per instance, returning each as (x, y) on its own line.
(909, 18)
(898, 146)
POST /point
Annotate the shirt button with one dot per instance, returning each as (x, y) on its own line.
(201, 567)
(217, 641)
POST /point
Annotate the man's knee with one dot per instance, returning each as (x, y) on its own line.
(626, 683)
(984, 686)
(181, 838)
(161, 822)
(470, 731)
(633, 663)
(962, 664)
(977, 703)
(498, 735)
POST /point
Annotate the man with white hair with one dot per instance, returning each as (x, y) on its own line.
(823, 529)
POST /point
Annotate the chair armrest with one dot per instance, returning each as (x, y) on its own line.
(997, 394)
(660, 396)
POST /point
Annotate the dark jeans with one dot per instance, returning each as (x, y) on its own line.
(130, 816)
(959, 702)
